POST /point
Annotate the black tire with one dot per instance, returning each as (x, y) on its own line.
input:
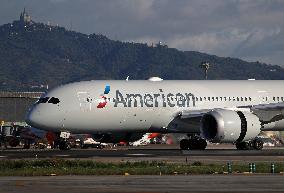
(258, 144)
(202, 144)
(247, 145)
(63, 145)
(192, 144)
(184, 144)
(14, 142)
(238, 146)
(243, 145)
(27, 146)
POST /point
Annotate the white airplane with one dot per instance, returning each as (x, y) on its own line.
(217, 110)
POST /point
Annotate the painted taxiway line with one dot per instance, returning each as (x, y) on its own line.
(62, 155)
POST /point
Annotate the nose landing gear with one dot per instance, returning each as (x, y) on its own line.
(63, 143)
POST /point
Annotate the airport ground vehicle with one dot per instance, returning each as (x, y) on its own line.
(14, 135)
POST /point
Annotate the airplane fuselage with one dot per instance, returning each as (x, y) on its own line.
(144, 106)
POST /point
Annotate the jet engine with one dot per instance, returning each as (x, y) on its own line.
(229, 126)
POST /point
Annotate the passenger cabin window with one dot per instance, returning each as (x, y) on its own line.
(42, 100)
(53, 100)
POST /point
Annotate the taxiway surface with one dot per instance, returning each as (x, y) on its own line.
(181, 183)
(149, 153)
(149, 184)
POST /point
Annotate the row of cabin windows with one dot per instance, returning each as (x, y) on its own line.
(223, 99)
(277, 99)
(229, 99)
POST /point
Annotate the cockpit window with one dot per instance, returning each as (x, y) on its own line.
(53, 100)
(42, 100)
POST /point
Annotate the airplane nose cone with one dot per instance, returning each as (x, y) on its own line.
(33, 118)
(44, 117)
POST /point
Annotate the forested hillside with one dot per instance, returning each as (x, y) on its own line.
(35, 54)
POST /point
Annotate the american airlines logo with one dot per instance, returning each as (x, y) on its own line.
(159, 99)
(103, 103)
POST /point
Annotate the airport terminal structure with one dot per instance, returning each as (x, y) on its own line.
(15, 105)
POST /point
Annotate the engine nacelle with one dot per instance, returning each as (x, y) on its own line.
(229, 126)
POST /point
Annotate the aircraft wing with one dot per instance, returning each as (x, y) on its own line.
(187, 114)
(269, 112)
(266, 112)
(268, 107)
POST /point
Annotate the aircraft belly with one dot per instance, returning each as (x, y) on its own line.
(110, 119)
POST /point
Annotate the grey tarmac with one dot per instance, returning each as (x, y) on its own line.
(149, 153)
(149, 184)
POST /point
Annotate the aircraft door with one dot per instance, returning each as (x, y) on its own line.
(263, 97)
(84, 101)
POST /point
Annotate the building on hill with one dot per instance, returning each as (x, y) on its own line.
(25, 18)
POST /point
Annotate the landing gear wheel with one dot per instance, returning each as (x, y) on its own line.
(202, 144)
(64, 145)
(258, 144)
(238, 146)
(184, 144)
(243, 145)
(195, 143)
(27, 146)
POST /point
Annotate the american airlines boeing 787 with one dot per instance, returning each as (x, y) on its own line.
(216, 110)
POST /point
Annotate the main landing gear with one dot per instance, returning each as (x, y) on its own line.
(193, 143)
(256, 144)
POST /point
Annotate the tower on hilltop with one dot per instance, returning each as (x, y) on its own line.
(25, 17)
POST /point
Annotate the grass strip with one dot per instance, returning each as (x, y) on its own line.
(90, 167)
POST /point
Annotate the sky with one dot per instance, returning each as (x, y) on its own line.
(248, 29)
